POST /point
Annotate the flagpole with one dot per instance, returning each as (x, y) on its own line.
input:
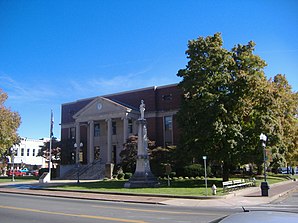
(51, 137)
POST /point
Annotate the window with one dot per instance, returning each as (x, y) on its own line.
(72, 132)
(96, 130)
(33, 152)
(28, 152)
(22, 151)
(114, 128)
(168, 123)
(167, 97)
(130, 129)
(168, 130)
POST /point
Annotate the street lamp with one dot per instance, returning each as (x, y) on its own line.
(264, 185)
(205, 167)
(78, 160)
(13, 151)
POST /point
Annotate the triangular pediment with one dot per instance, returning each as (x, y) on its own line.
(101, 108)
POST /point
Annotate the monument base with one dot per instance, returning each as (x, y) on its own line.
(142, 179)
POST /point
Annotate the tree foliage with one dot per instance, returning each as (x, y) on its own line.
(9, 123)
(227, 103)
(129, 153)
(55, 152)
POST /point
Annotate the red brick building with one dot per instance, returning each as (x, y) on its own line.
(102, 124)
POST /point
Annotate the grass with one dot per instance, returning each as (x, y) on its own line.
(17, 179)
(185, 187)
(178, 187)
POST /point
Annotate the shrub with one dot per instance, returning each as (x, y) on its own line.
(172, 174)
(193, 170)
(127, 175)
(120, 176)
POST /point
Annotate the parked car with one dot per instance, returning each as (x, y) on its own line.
(259, 216)
(17, 173)
(33, 173)
(288, 170)
(24, 170)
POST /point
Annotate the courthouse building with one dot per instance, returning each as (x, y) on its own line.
(101, 125)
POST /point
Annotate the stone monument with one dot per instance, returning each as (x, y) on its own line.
(143, 176)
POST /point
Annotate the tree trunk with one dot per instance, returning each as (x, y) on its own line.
(225, 171)
(259, 169)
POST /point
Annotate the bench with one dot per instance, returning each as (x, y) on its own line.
(237, 184)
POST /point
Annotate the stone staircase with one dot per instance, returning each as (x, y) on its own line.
(92, 171)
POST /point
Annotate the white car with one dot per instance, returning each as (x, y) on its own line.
(260, 216)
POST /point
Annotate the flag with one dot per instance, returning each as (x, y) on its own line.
(52, 124)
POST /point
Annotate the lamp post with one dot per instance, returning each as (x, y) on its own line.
(205, 158)
(264, 185)
(78, 159)
(12, 150)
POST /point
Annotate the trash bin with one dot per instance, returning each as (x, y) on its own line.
(264, 188)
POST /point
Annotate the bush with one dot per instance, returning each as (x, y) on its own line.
(127, 175)
(120, 176)
(193, 170)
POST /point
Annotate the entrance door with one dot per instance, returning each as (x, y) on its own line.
(96, 153)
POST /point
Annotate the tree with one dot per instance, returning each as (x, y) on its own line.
(285, 107)
(9, 123)
(222, 114)
(129, 153)
(161, 157)
(56, 151)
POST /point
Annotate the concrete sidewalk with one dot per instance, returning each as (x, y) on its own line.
(244, 197)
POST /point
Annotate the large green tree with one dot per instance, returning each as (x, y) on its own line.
(285, 109)
(9, 123)
(224, 108)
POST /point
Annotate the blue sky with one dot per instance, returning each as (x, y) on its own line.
(54, 52)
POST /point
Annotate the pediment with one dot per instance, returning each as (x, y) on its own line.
(101, 108)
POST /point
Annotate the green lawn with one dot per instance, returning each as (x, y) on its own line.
(177, 187)
(18, 179)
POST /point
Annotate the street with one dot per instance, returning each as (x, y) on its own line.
(29, 209)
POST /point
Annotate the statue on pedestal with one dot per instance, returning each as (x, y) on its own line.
(143, 176)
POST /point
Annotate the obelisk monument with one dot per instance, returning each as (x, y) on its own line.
(143, 176)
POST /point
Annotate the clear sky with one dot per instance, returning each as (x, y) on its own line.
(54, 52)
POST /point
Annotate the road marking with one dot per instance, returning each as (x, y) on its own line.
(72, 215)
(157, 211)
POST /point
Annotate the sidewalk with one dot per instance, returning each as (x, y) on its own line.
(244, 197)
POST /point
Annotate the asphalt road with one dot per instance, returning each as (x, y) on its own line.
(30, 209)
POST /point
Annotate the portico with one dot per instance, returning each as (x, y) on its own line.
(107, 125)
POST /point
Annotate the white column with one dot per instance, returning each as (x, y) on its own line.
(125, 129)
(91, 142)
(109, 140)
(78, 141)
